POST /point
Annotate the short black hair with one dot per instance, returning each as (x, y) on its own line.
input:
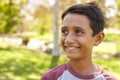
(92, 11)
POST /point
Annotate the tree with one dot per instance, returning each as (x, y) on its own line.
(118, 4)
(56, 30)
(44, 18)
(118, 15)
(9, 16)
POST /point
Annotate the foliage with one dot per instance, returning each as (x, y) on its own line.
(22, 64)
(118, 3)
(45, 25)
(45, 20)
(118, 46)
(112, 37)
(117, 25)
(9, 16)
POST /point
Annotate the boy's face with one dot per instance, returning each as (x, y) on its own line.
(77, 39)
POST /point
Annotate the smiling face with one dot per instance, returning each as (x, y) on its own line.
(77, 40)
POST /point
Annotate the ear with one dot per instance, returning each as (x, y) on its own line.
(99, 38)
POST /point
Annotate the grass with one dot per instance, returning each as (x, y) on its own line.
(106, 47)
(112, 37)
(22, 64)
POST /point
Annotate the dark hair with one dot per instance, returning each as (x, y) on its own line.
(92, 11)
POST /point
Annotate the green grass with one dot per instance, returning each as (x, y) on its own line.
(106, 47)
(112, 37)
(21, 64)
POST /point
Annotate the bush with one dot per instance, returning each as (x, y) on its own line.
(118, 46)
(112, 37)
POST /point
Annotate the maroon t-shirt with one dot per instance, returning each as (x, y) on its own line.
(65, 72)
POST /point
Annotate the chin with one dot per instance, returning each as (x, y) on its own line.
(74, 57)
(71, 57)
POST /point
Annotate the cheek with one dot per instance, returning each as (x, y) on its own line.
(87, 44)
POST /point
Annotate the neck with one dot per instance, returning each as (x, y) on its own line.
(85, 66)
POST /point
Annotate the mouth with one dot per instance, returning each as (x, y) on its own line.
(71, 48)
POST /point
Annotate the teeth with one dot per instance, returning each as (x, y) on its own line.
(71, 48)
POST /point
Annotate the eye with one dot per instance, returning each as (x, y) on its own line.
(78, 32)
(64, 32)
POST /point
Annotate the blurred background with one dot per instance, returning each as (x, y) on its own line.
(29, 37)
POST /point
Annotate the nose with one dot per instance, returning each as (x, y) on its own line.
(69, 38)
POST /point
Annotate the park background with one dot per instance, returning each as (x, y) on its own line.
(29, 37)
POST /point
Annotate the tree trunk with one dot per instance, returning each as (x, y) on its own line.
(55, 30)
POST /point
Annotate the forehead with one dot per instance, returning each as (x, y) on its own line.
(72, 19)
(75, 16)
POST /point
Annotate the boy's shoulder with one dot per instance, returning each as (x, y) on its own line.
(54, 73)
(108, 76)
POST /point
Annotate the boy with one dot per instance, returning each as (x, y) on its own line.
(82, 28)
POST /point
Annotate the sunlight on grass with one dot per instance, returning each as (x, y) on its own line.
(46, 37)
(106, 47)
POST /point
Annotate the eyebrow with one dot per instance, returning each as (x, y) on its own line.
(76, 27)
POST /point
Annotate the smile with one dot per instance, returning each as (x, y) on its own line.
(71, 48)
